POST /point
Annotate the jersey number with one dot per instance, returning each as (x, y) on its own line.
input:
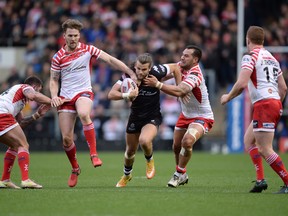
(275, 73)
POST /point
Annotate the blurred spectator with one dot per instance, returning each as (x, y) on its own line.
(114, 128)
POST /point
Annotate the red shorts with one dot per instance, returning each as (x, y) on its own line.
(266, 115)
(70, 106)
(7, 123)
(183, 123)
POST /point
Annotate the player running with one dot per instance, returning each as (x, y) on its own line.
(145, 116)
(261, 72)
(196, 117)
(70, 77)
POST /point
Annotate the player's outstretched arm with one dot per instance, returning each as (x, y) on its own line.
(117, 64)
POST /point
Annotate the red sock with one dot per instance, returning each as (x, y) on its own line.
(180, 169)
(277, 165)
(90, 136)
(257, 161)
(71, 154)
(9, 159)
(23, 161)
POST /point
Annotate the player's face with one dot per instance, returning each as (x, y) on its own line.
(142, 70)
(187, 60)
(71, 37)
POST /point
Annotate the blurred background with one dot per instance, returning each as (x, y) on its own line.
(30, 34)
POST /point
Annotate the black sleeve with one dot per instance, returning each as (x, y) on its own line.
(159, 71)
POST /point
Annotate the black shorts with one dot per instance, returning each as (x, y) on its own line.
(135, 126)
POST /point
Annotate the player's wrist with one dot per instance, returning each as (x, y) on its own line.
(159, 85)
(126, 95)
(36, 115)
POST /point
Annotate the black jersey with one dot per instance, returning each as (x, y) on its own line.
(147, 103)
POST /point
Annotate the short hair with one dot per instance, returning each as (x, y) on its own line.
(197, 51)
(145, 58)
(33, 80)
(256, 35)
(72, 24)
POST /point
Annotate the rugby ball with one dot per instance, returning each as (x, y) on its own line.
(127, 85)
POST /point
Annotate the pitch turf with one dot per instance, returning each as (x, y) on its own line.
(218, 185)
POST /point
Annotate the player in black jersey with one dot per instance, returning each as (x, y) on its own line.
(145, 116)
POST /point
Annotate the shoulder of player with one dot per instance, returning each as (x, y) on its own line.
(158, 70)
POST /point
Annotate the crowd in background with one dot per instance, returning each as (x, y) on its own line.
(127, 28)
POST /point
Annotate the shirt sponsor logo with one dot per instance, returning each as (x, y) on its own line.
(268, 125)
(255, 124)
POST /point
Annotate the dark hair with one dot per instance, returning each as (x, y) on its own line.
(197, 51)
(256, 35)
(145, 58)
(72, 24)
(33, 80)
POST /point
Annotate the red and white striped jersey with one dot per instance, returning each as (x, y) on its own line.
(13, 100)
(199, 104)
(265, 69)
(75, 69)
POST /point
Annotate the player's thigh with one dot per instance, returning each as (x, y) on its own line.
(264, 140)
(193, 133)
(148, 133)
(15, 138)
(83, 107)
(66, 123)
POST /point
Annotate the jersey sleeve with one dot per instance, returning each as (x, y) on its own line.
(94, 51)
(247, 62)
(55, 65)
(193, 80)
(159, 71)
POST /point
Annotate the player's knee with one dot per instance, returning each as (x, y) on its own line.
(67, 141)
(129, 155)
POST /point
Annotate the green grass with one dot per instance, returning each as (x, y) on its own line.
(218, 185)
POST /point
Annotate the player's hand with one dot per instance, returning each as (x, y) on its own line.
(57, 101)
(43, 109)
(186, 98)
(224, 99)
(150, 80)
(133, 94)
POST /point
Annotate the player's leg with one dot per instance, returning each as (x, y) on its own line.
(16, 139)
(148, 133)
(177, 138)
(132, 140)
(193, 133)
(252, 149)
(83, 107)
(264, 142)
(66, 123)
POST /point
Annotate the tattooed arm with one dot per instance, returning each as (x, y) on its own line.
(54, 88)
(41, 111)
(33, 95)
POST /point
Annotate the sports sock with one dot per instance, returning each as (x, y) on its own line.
(148, 158)
(257, 161)
(180, 169)
(71, 154)
(127, 170)
(9, 159)
(90, 136)
(23, 162)
(277, 165)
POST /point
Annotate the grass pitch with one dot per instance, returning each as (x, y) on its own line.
(218, 185)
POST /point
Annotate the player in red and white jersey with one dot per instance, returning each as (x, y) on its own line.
(196, 117)
(70, 77)
(261, 72)
(12, 101)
